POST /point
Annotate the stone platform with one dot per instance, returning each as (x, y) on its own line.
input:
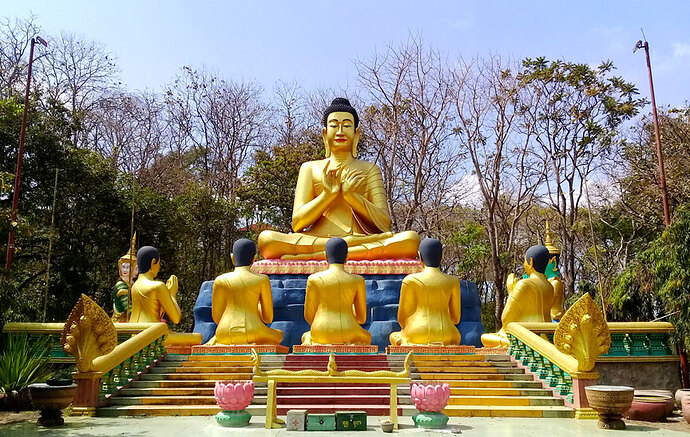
(335, 349)
(243, 349)
(431, 349)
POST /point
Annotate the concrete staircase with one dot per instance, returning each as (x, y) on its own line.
(488, 386)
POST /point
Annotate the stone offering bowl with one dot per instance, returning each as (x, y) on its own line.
(50, 400)
(610, 402)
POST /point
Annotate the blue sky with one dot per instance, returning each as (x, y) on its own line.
(315, 43)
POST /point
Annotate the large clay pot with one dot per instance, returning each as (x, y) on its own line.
(610, 402)
(685, 406)
(680, 394)
(647, 408)
(50, 400)
(667, 395)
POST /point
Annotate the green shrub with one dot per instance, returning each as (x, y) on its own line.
(22, 362)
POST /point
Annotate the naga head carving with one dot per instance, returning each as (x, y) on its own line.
(88, 333)
(583, 333)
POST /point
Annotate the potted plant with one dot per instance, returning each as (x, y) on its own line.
(22, 363)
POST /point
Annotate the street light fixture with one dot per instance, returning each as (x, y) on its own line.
(662, 173)
(20, 156)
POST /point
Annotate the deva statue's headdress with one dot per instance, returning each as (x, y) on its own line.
(131, 256)
(341, 104)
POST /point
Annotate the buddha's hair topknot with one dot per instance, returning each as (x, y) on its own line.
(340, 104)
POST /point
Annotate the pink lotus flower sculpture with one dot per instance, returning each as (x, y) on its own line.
(431, 398)
(234, 395)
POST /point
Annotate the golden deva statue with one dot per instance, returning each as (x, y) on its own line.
(127, 267)
(335, 304)
(242, 302)
(340, 196)
(152, 299)
(530, 299)
(429, 303)
(554, 276)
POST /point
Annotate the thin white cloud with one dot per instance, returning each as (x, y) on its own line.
(681, 49)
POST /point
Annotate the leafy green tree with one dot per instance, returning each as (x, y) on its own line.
(575, 113)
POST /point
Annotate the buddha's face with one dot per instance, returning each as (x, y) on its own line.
(340, 133)
(529, 266)
(155, 267)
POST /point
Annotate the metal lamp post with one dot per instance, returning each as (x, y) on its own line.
(20, 155)
(662, 173)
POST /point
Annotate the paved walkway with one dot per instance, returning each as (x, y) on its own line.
(206, 426)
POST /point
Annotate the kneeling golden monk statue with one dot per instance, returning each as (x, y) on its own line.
(340, 196)
(530, 299)
(242, 302)
(335, 303)
(429, 303)
(152, 299)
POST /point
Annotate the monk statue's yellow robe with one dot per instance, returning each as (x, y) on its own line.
(241, 305)
(429, 309)
(529, 301)
(152, 300)
(335, 306)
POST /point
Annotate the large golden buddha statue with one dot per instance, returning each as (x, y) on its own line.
(242, 302)
(529, 299)
(335, 304)
(339, 196)
(152, 299)
(429, 303)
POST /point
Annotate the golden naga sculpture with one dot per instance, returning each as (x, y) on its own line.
(242, 302)
(554, 276)
(127, 266)
(529, 299)
(152, 299)
(583, 333)
(429, 302)
(88, 333)
(331, 369)
(335, 303)
(340, 196)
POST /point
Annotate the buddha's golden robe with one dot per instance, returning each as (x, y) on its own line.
(335, 305)
(151, 300)
(241, 304)
(529, 301)
(360, 218)
(429, 309)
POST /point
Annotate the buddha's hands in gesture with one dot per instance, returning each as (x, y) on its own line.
(351, 181)
(172, 285)
(331, 179)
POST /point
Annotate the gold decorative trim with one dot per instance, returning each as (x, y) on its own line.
(586, 414)
(331, 370)
(638, 359)
(583, 333)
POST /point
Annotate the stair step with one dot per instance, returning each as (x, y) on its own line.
(254, 410)
(477, 391)
(191, 369)
(506, 400)
(199, 376)
(508, 411)
(461, 370)
(446, 377)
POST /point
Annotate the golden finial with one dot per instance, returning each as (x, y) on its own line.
(131, 256)
(548, 241)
